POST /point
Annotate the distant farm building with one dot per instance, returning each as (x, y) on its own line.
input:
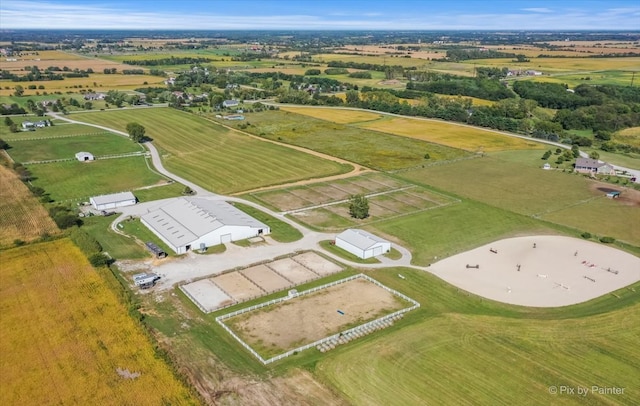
(230, 103)
(546, 166)
(593, 167)
(362, 243)
(30, 125)
(188, 222)
(113, 201)
(85, 156)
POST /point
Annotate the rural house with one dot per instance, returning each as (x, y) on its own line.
(229, 103)
(188, 223)
(362, 243)
(593, 167)
(113, 201)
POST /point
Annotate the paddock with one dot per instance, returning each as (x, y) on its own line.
(540, 271)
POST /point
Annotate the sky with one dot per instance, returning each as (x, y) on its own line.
(322, 14)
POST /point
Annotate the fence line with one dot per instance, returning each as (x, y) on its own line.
(220, 319)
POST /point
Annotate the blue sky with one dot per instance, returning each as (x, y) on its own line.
(322, 14)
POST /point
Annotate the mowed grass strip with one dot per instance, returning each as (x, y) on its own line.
(81, 180)
(59, 129)
(66, 148)
(460, 349)
(22, 217)
(455, 136)
(215, 157)
(372, 149)
(65, 336)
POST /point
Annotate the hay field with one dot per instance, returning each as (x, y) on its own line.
(460, 349)
(215, 157)
(21, 214)
(373, 149)
(629, 136)
(547, 65)
(66, 339)
(341, 116)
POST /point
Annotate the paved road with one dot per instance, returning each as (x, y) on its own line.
(179, 269)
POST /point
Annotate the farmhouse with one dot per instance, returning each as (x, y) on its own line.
(28, 125)
(593, 166)
(362, 243)
(85, 156)
(189, 222)
(105, 202)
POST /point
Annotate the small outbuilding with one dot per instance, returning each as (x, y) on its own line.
(362, 243)
(85, 156)
(230, 103)
(155, 250)
(113, 201)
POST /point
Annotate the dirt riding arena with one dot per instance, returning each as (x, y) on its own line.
(308, 318)
(238, 286)
(540, 271)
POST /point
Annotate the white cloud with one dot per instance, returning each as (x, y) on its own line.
(538, 10)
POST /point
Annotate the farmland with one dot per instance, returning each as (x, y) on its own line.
(438, 132)
(22, 217)
(55, 131)
(88, 350)
(373, 149)
(31, 149)
(442, 351)
(73, 180)
(215, 157)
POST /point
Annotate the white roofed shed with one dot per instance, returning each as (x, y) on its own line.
(362, 243)
(113, 201)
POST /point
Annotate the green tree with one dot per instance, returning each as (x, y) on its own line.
(19, 91)
(359, 206)
(594, 155)
(575, 151)
(136, 132)
(3, 144)
(353, 97)
(8, 121)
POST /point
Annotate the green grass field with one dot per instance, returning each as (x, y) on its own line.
(215, 157)
(369, 148)
(280, 231)
(460, 349)
(75, 180)
(59, 129)
(118, 246)
(61, 148)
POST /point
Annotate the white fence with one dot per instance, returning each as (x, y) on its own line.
(220, 319)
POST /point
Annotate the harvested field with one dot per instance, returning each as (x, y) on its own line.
(318, 264)
(293, 271)
(207, 295)
(21, 214)
(66, 339)
(238, 286)
(264, 277)
(335, 115)
(286, 325)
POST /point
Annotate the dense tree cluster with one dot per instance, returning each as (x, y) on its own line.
(490, 89)
(173, 60)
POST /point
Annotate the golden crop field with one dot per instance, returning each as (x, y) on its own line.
(550, 65)
(629, 136)
(452, 135)
(66, 339)
(336, 115)
(21, 214)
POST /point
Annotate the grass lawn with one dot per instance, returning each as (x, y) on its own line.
(331, 247)
(118, 246)
(459, 349)
(59, 129)
(61, 148)
(75, 180)
(280, 231)
(135, 228)
(373, 149)
(449, 230)
(215, 157)
(163, 191)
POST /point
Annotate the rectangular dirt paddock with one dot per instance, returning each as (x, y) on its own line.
(317, 264)
(238, 286)
(267, 279)
(307, 318)
(293, 271)
(207, 295)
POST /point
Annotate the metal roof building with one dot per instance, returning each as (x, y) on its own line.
(362, 243)
(188, 222)
(113, 201)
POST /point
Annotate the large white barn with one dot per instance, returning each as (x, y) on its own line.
(189, 222)
(113, 201)
(362, 244)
